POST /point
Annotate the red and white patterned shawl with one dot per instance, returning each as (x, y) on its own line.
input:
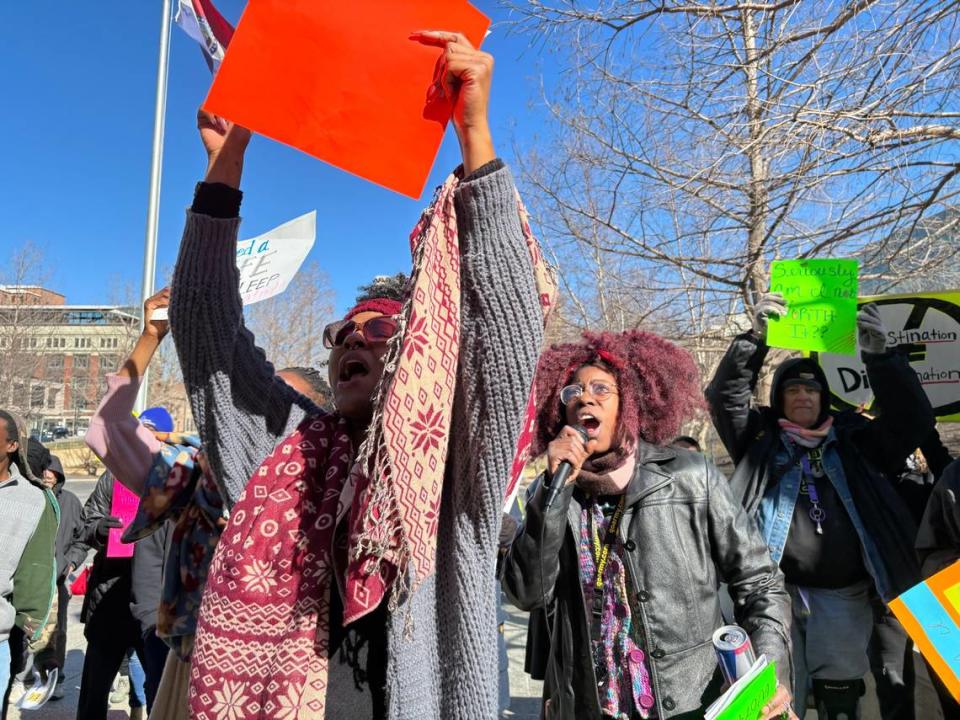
(263, 634)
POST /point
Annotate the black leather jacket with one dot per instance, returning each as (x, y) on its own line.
(683, 534)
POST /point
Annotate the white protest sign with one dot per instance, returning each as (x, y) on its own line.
(268, 262)
(927, 327)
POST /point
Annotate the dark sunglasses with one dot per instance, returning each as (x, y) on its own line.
(374, 330)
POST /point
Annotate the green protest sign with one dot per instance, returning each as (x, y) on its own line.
(752, 697)
(821, 300)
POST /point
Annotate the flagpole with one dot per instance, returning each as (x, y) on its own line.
(156, 167)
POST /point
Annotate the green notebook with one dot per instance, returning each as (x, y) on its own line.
(746, 698)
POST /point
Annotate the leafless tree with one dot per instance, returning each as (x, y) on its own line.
(289, 326)
(23, 272)
(696, 141)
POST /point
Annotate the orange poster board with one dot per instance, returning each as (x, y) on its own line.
(344, 82)
(930, 613)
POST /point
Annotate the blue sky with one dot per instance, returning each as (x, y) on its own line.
(78, 87)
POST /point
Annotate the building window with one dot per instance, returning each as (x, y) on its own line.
(52, 398)
(109, 363)
(36, 396)
(81, 362)
(55, 363)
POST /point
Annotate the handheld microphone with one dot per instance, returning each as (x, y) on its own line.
(563, 472)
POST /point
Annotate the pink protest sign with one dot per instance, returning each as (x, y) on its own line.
(124, 506)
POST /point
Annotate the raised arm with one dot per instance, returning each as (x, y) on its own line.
(905, 419)
(501, 336)
(242, 409)
(730, 393)
(124, 445)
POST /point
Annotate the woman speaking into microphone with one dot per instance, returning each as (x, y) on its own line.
(626, 559)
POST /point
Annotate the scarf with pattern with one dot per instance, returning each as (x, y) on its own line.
(623, 676)
(263, 638)
(806, 437)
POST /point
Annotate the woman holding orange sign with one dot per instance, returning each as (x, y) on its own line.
(356, 575)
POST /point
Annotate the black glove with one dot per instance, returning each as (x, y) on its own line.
(103, 527)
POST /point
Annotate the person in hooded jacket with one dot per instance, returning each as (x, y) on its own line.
(71, 553)
(814, 482)
(627, 560)
(28, 529)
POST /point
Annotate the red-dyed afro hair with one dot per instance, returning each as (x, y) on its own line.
(658, 381)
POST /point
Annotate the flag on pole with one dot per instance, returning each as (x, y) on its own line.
(203, 22)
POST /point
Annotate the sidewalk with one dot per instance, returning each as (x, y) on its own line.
(66, 709)
(524, 692)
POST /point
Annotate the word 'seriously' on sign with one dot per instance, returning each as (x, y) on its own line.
(344, 82)
(821, 298)
(930, 613)
(268, 262)
(924, 326)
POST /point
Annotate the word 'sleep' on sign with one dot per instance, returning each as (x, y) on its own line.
(268, 262)
(344, 82)
(924, 326)
(821, 300)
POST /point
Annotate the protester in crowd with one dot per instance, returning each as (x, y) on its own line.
(181, 512)
(938, 544)
(829, 515)
(28, 533)
(109, 625)
(685, 442)
(310, 383)
(890, 650)
(658, 524)
(428, 630)
(71, 554)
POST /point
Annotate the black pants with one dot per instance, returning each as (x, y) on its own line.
(109, 635)
(891, 662)
(950, 707)
(55, 653)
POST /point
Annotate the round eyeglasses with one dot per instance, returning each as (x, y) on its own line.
(598, 389)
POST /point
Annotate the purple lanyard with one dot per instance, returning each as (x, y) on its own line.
(817, 513)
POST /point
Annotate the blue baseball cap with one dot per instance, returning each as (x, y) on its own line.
(157, 419)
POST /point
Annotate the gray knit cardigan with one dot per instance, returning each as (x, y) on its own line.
(448, 668)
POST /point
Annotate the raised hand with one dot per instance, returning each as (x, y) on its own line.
(225, 144)
(770, 304)
(870, 328)
(156, 328)
(466, 74)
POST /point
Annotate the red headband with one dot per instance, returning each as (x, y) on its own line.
(385, 306)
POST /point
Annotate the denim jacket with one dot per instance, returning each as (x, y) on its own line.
(775, 513)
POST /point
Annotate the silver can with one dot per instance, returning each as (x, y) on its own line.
(734, 652)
